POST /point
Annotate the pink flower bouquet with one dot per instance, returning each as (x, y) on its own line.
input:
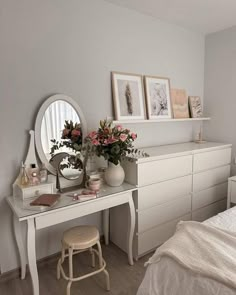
(71, 138)
(112, 142)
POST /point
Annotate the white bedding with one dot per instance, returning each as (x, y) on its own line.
(169, 278)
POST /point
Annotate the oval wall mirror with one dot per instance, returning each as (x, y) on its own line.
(60, 127)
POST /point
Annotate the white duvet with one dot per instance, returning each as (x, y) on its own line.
(167, 277)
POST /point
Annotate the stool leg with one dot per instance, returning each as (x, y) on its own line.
(60, 261)
(107, 280)
(58, 269)
(93, 256)
(63, 254)
(99, 254)
(68, 288)
(101, 265)
(70, 271)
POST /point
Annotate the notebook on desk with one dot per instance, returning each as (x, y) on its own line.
(47, 200)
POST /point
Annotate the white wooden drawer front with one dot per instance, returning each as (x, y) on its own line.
(210, 178)
(209, 196)
(163, 192)
(212, 159)
(157, 236)
(157, 215)
(37, 190)
(161, 170)
(209, 211)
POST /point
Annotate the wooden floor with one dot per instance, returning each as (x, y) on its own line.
(125, 279)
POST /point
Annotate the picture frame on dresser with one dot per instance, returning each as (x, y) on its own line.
(157, 93)
(128, 96)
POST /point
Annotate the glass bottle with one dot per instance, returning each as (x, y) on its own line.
(24, 179)
(43, 173)
(34, 174)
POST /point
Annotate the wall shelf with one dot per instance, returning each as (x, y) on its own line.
(161, 120)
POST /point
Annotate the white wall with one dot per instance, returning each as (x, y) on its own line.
(57, 46)
(220, 83)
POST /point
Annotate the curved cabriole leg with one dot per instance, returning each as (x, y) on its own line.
(20, 245)
(32, 256)
(131, 227)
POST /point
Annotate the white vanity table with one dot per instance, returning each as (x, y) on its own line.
(66, 210)
(57, 114)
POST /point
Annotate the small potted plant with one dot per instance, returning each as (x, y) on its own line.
(113, 142)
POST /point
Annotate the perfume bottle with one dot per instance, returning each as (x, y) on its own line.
(34, 174)
(24, 179)
(43, 173)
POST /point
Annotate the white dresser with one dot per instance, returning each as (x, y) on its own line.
(177, 182)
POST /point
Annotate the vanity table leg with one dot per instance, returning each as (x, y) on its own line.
(131, 226)
(105, 220)
(32, 256)
(20, 245)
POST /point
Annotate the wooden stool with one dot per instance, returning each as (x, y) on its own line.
(76, 240)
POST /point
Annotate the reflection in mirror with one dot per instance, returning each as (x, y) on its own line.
(57, 129)
(70, 167)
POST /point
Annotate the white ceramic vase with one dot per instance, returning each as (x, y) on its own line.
(114, 174)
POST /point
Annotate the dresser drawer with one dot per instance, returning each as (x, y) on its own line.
(212, 159)
(209, 196)
(163, 192)
(157, 236)
(210, 178)
(161, 170)
(157, 215)
(209, 211)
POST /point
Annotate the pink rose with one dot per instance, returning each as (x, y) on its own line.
(65, 132)
(119, 127)
(92, 134)
(95, 142)
(75, 132)
(111, 140)
(123, 137)
(134, 136)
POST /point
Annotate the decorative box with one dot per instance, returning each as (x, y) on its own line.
(30, 191)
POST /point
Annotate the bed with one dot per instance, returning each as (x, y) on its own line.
(166, 276)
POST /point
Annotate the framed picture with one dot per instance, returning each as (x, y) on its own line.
(157, 92)
(195, 106)
(179, 101)
(128, 98)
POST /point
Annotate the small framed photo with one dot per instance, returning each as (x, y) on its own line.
(128, 98)
(195, 106)
(157, 92)
(179, 101)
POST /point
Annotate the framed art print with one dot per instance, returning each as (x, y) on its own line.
(179, 101)
(195, 106)
(157, 92)
(127, 92)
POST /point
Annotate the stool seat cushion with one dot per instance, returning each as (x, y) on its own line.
(80, 237)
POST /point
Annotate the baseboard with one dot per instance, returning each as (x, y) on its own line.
(16, 273)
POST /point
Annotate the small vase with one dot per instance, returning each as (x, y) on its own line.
(114, 174)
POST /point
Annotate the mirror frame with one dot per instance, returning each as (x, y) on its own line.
(38, 123)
